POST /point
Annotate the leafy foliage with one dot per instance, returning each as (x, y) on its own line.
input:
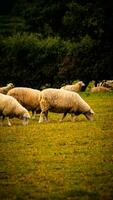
(31, 59)
(61, 41)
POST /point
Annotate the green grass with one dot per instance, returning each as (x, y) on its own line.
(59, 161)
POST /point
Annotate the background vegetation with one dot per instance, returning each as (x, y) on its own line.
(57, 161)
(53, 42)
(46, 43)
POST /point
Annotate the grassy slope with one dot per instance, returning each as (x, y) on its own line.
(68, 160)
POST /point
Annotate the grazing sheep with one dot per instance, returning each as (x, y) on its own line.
(100, 89)
(75, 87)
(63, 101)
(5, 89)
(27, 97)
(107, 84)
(10, 107)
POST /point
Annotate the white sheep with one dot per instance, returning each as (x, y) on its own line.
(99, 89)
(107, 84)
(75, 87)
(27, 97)
(5, 89)
(10, 107)
(63, 101)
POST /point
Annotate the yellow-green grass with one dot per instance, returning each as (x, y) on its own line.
(59, 160)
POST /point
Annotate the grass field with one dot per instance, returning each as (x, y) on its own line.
(64, 161)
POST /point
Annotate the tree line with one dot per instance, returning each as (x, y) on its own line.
(48, 43)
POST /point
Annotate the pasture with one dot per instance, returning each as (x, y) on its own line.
(59, 160)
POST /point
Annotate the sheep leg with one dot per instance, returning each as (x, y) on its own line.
(73, 117)
(42, 117)
(44, 111)
(33, 114)
(8, 121)
(46, 116)
(25, 121)
(63, 116)
(2, 120)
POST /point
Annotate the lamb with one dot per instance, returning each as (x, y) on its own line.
(100, 89)
(63, 101)
(10, 107)
(5, 89)
(75, 87)
(27, 97)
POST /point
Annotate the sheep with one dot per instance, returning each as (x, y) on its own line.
(27, 97)
(63, 101)
(10, 107)
(75, 87)
(107, 84)
(99, 89)
(5, 89)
